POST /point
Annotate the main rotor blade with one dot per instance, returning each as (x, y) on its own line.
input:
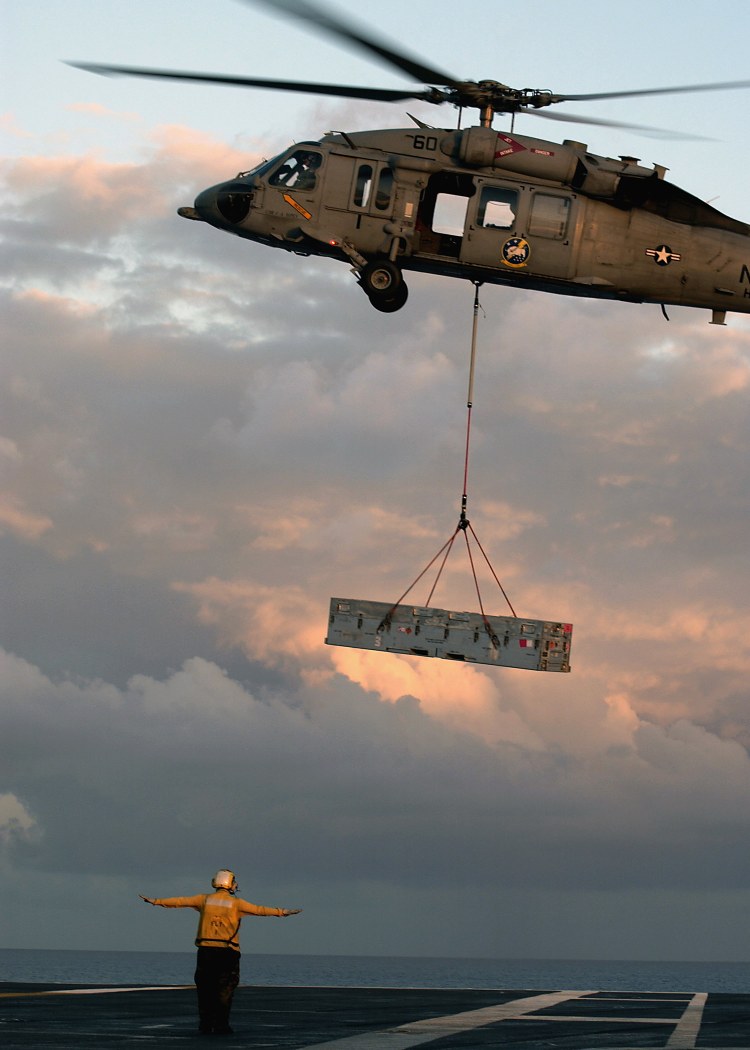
(335, 25)
(643, 129)
(341, 90)
(729, 85)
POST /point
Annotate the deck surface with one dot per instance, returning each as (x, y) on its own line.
(42, 1016)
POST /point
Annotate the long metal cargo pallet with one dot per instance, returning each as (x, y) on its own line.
(502, 641)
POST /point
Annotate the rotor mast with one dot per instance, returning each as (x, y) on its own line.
(490, 97)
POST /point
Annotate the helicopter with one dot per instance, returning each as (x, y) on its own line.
(476, 203)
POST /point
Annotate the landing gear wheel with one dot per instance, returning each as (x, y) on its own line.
(390, 303)
(379, 278)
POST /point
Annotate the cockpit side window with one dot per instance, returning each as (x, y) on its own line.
(363, 186)
(298, 171)
(373, 187)
(384, 190)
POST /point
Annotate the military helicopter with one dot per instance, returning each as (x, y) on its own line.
(476, 203)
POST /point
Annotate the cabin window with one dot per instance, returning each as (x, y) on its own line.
(384, 190)
(363, 186)
(298, 171)
(497, 208)
(449, 216)
(549, 216)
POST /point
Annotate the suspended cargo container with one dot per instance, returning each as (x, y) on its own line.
(502, 641)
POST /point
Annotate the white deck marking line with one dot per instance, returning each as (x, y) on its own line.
(685, 1034)
(415, 1032)
(641, 999)
(602, 1018)
(94, 991)
(106, 991)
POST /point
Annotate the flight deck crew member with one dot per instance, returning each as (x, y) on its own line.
(217, 971)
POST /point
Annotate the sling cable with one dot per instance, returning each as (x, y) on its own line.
(501, 641)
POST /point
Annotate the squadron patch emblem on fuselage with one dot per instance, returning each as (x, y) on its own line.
(515, 252)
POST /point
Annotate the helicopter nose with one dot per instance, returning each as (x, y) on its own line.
(205, 205)
(227, 203)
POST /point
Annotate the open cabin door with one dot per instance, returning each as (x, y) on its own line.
(498, 223)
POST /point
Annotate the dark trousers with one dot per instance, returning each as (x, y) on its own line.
(217, 974)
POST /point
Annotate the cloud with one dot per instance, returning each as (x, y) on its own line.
(96, 109)
(14, 517)
(205, 440)
(352, 786)
(271, 623)
(15, 819)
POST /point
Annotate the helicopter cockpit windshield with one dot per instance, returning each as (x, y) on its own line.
(297, 171)
(260, 168)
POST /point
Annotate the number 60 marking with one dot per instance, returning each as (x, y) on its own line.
(428, 142)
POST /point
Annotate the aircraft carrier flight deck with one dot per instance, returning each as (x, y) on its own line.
(288, 1018)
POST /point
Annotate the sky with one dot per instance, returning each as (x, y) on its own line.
(203, 440)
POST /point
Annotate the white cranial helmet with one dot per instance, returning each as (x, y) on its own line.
(224, 879)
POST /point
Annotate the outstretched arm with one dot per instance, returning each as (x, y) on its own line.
(247, 908)
(175, 902)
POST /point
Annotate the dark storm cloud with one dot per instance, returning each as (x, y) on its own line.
(341, 786)
(54, 614)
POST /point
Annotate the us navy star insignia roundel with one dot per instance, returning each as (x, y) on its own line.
(515, 252)
(663, 255)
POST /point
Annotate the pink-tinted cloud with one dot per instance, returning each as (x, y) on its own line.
(15, 517)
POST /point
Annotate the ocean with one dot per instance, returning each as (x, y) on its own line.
(175, 968)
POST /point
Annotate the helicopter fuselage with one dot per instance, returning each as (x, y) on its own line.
(489, 207)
